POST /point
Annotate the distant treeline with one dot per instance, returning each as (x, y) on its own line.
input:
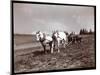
(85, 31)
(82, 32)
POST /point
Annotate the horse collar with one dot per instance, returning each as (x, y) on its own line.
(42, 39)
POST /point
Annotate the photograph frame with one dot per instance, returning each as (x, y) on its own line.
(47, 3)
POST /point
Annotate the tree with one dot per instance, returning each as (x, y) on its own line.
(83, 31)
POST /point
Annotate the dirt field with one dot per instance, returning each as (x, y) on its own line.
(30, 56)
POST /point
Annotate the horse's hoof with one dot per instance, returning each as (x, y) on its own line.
(51, 52)
(45, 52)
(64, 47)
(58, 51)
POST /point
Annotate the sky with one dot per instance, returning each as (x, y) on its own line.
(30, 18)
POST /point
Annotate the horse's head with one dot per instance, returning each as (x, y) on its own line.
(39, 35)
(54, 35)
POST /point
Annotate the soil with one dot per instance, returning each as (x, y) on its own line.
(78, 55)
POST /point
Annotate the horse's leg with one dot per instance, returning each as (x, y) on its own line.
(58, 44)
(64, 43)
(51, 47)
(54, 44)
(73, 40)
(50, 44)
(80, 39)
(44, 47)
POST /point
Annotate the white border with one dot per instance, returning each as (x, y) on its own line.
(5, 37)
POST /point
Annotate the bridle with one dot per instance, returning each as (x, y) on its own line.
(41, 39)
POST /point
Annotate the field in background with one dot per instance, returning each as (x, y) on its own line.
(24, 38)
(29, 55)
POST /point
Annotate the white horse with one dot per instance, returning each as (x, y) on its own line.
(44, 39)
(60, 38)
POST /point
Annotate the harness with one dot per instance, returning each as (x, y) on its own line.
(58, 36)
(43, 39)
(55, 38)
